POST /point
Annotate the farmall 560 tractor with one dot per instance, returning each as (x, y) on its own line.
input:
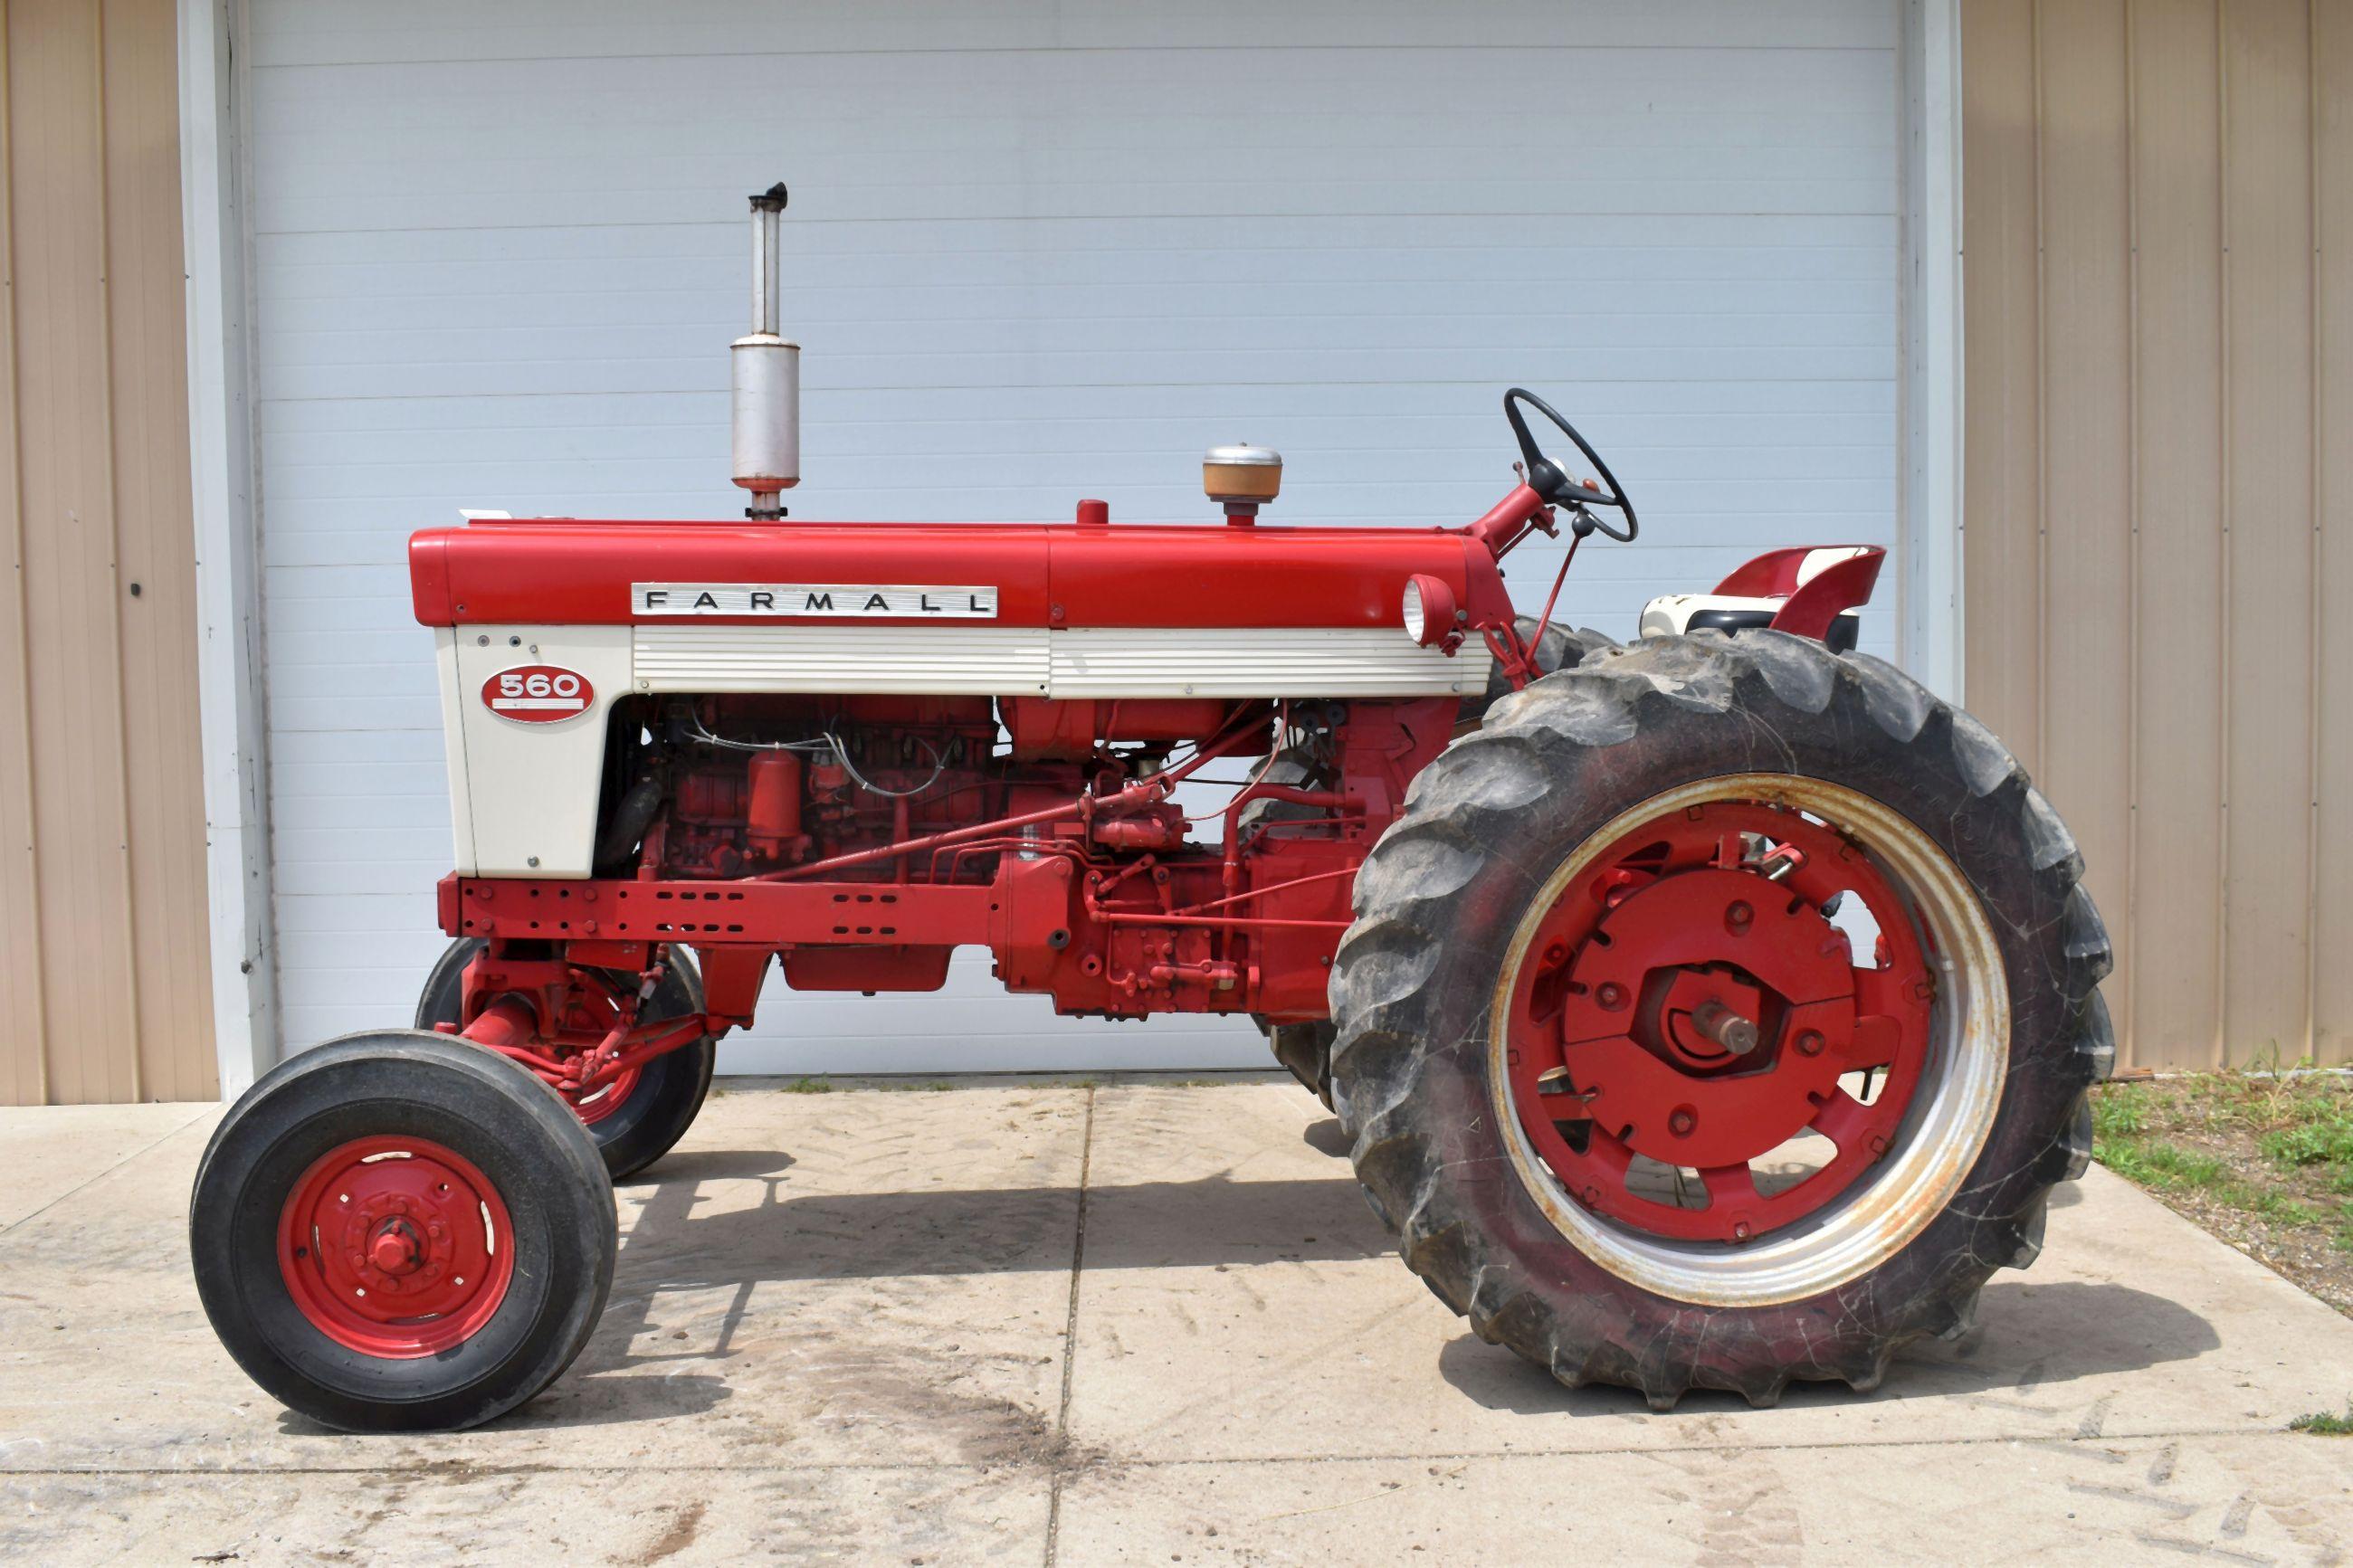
(1707, 1012)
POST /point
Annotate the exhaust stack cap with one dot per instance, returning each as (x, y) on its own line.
(766, 374)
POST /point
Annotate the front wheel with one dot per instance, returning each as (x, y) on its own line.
(1719, 1014)
(398, 1232)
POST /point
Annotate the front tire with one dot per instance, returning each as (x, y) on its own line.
(1615, 1192)
(398, 1232)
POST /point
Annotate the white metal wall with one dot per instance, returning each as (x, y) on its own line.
(1034, 253)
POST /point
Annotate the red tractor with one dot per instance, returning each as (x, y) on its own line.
(1707, 1012)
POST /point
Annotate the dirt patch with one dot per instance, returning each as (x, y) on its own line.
(2264, 1161)
(680, 1535)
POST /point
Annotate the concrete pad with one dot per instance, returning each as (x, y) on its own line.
(1244, 1302)
(48, 1151)
(836, 1334)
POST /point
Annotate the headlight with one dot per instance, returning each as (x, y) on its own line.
(1429, 611)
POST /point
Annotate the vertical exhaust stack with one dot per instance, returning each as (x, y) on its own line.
(768, 377)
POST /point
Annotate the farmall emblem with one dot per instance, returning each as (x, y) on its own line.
(823, 601)
(538, 694)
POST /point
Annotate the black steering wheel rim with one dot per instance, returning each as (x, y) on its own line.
(1551, 481)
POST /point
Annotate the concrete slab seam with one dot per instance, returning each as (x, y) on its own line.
(1070, 1333)
(136, 1154)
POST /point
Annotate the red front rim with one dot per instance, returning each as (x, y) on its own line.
(395, 1247)
(1694, 1051)
(605, 1099)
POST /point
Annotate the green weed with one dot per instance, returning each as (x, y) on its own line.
(2325, 1423)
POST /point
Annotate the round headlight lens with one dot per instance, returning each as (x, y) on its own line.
(1427, 611)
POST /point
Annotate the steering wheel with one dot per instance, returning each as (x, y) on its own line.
(1549, 480)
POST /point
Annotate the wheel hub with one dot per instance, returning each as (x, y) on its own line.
(395, 1247)
(1707, 1021)
(1689, 1002)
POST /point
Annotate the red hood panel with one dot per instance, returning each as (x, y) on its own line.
(559, 571)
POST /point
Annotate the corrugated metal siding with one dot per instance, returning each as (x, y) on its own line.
(2158, 216)
(1036, 251)
(102, 906)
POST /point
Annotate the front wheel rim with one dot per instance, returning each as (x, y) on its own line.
(1638, 919)
(594, 1105)
(395, 1247)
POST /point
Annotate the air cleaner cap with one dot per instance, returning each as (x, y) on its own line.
(1241, 473)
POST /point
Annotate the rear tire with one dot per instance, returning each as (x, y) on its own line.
(668, 1092)
(1434, 994)
(393, 1167)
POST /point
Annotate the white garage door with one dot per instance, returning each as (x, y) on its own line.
(1035, 252)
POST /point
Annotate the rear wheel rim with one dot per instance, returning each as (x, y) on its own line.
(395, 1247)
(1709, 1174)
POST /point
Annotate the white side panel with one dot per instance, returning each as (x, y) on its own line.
(959, 661)
(531, 788)
(453, 738)
(1373, 662)
(999, 661)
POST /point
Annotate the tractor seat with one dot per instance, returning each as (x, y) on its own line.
(1731, 611)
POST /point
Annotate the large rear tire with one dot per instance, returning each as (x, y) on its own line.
(1617, 1079)
(399, 1232)
(640, 1117)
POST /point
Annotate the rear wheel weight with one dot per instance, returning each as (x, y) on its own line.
(399, 1232)
(1484, 893)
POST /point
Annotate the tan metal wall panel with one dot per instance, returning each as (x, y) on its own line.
(146, 342)
(101, 681)
(2332, 1001)
(2000, 536)
(59, 300)
(2188, 472)
(2174, 999)
(22, 1065)
(2267, 510)
(2086, 437)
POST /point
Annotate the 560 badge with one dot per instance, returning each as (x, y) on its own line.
(538, 694)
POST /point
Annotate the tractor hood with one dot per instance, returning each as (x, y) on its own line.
(557, 570)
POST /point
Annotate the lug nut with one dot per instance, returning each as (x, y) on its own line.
(1611, 995)
(1737, 918)
(1810, 1044)
(1682, 1122)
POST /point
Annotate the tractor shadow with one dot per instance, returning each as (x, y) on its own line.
(703, 1232)
(2029, 1340)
